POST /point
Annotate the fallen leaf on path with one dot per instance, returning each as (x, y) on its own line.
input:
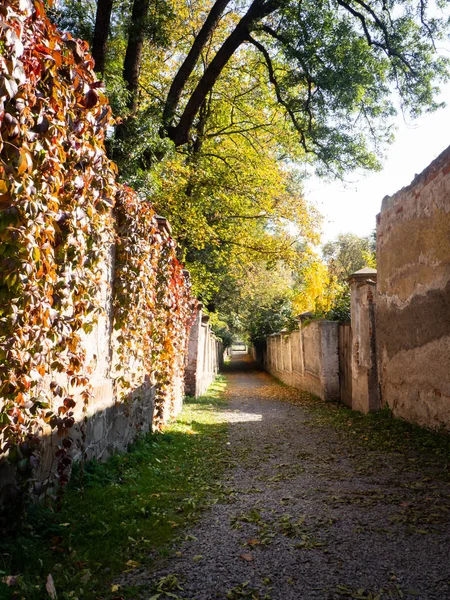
(247, 557)
(253, 542)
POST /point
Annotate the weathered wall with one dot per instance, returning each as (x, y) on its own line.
(307, 359)
(365, 394)
(413, 297)
(205, 356)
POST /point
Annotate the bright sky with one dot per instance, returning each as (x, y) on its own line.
(353, 206)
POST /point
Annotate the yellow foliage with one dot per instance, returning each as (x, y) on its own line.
(318, 288)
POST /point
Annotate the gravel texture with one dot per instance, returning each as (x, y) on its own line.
(307, 516)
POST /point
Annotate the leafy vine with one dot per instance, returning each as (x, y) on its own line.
(58, 191)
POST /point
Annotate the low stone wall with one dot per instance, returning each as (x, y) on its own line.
(307, 359)
(205, 357)
(413, 297)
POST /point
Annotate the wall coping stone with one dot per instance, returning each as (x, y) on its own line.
(164, 225)
(442, 161)
(305, 315)
(365, 275)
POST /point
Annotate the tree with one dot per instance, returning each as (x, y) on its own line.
(101, 33)
(332, 65)
(348, 253)
(335, 67)
(321, 284)
(132, 61)
(238, 94)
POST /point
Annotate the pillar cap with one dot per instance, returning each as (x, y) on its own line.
(305, 315)
(367, 274)
(164, 225)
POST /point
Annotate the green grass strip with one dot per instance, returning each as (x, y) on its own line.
(379, 430)
(123, 513)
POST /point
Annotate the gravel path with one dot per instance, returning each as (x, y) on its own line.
(308, 516)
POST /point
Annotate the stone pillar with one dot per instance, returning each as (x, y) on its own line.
(365, 388)
(329, 346)
(195, 356)
(287, 351)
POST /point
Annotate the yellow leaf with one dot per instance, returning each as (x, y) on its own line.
(115, 588)
(36, 254)
(132, 563)
(25, 161)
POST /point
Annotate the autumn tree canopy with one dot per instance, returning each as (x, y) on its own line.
(335, 66)
(219, 102)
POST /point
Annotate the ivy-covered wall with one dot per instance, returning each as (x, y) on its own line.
(95, 309)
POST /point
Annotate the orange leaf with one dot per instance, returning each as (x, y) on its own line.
(247, 557)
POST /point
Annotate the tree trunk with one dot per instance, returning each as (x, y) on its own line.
(173, 97)
(101, 32)
(133, 53)
(258, 9)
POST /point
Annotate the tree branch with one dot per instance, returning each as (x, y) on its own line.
(184, 72)
(276, 86)
(258, 9)
(386, 46)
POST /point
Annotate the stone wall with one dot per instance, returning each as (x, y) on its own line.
(413, 297)
(205, 356)
(307, 359)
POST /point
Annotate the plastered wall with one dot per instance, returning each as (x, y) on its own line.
(205, 357)
(413, 297)
(307, 359)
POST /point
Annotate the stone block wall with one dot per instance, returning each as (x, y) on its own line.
(307, 359)
(413, 297)
(205, 356)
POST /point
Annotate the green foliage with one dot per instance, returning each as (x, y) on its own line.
(123, 513)
(340, 306)
(338, 63)
(382, 431)
(347, 254)
(222, 330)
(76, 17)
(271, 319)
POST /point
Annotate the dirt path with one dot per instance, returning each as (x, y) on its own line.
(308, 516)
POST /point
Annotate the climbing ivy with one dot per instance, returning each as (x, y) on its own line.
(57, 195)
(153, 306)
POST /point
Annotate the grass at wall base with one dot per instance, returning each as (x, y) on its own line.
(121, 514)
